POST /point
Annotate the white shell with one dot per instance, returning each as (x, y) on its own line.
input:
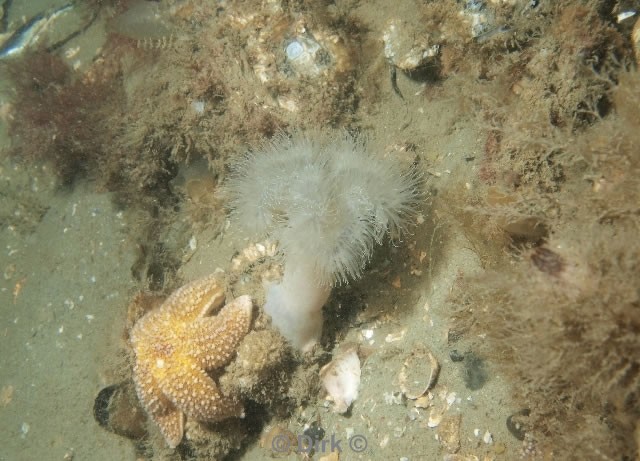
(341, 379)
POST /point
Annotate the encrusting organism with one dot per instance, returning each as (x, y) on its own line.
(328, 201)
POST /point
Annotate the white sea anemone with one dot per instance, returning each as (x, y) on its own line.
(328, 201)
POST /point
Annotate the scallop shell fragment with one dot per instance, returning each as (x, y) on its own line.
(341, 379)
(419, 372)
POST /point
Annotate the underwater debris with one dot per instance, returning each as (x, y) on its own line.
(403, 50)
(30, 33)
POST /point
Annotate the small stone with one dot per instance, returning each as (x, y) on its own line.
(367, 334)
(456, 356)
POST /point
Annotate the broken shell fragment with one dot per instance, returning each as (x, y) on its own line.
(424, 401)
(279, 440)
(449, 433)
(403, 50)
(457, 457)
(419, 372)
(341, 379)
(435, 416)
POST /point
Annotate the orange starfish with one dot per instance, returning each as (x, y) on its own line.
(176, 344)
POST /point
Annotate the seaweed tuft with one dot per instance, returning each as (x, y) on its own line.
(562, 315)
(60, 116)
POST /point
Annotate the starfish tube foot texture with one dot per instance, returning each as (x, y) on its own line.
(177, 345)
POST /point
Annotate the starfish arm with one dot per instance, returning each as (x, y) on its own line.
(197, 395)
(161, 410)
(147, 388)
(171, 424)
(212, 341)
(201, 297)
(176, 344)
